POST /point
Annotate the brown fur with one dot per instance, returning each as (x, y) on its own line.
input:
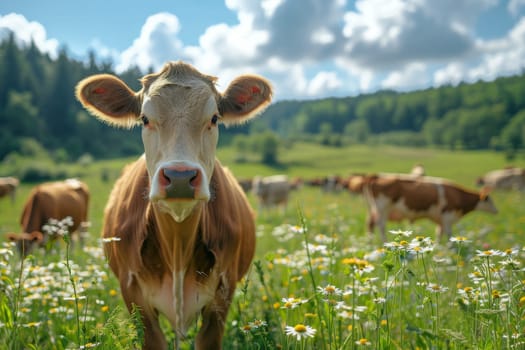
(172, 256)
(223, 238)
(398, 197)
(53, 200)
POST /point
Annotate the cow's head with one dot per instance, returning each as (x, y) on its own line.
(485, 202)
(180, 110)
(25, 241)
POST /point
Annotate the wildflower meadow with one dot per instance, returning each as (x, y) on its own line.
(318, 281)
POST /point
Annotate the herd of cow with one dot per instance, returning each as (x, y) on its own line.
(397, 197)
(178, 228)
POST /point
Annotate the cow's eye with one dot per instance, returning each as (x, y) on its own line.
(145, 120)
(214, 119)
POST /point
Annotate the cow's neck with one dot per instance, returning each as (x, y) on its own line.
(178, 239)
(177, 245)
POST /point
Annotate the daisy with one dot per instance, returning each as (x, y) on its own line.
(329, 290)
(436, 288)
(401, 233)
(292, 303)
(300, 331)
(363, 342)
(488, 253)
(459, 239)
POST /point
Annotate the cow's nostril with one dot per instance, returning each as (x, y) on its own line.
(179, 182)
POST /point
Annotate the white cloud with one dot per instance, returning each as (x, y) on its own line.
(497, 57)
(27, 31)
(413, 76)
(502, 56)
(317, 48)
(384, 35)
(452, 73)
(323, 84)
(157, 43)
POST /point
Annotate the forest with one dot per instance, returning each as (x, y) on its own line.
(39, 113)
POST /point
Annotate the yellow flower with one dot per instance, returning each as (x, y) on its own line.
(104, 308)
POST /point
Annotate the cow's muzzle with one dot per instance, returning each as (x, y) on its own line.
(180, 183)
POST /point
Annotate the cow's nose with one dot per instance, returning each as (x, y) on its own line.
(180, 183)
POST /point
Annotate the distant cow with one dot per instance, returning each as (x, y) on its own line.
(8, 186)
(271, 191)
(418, 170)
(504, 179)
(52, 200)
(332, 183)
(397, 197)
(180, 230)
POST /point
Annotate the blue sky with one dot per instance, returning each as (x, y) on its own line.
(307, 48)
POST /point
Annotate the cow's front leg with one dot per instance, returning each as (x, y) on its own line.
(213, 320)
(153, 336)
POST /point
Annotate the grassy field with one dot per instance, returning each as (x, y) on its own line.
(317, 282)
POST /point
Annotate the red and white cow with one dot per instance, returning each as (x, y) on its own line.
(181, 231)
(52, 200)
(399, 197)
(8, 186)
(504, 179)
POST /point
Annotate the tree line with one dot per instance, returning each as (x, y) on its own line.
(38, 111)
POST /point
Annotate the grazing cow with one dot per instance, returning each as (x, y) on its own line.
(504, 179)
(8, 186)
(332, 184)
(180, 231)
(271, 191)
(52, 200)
(395, 197)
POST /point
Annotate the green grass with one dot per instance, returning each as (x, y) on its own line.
(314, 267)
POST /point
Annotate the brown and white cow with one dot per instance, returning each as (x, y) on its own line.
(8, 186)
(398, 197)
(182, 231)
(52, 200)
(504, 179)
(271, 191)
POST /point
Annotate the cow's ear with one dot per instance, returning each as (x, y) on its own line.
(244, 98)
(109, 99)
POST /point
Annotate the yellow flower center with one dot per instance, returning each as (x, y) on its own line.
(300, 328)
(363, 341)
